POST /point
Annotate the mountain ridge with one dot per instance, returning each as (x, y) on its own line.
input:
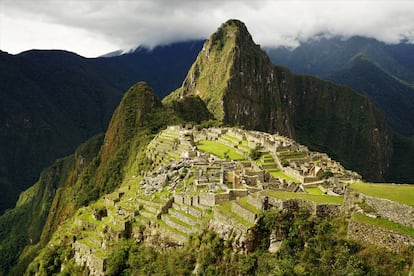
(254, 93)
(333, 59)
(123, 157)
(52, 101)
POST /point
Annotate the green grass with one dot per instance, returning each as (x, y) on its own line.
(243, 202)
(291, 154)
(396, 192)
(180, 222)
(315, 198)
(225, 208)
(284, 176)
(176, 231)
(384, 223)
(89, 218)
(219, 149)
(314, 191)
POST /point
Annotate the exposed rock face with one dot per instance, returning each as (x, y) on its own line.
(240, 86)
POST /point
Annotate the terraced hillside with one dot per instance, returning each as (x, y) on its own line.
(209, 179)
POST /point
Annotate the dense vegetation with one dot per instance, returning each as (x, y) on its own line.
(308, 246)
(383, 72)
(250, 91)
(95, 169)
(24, 224)
(52, 101)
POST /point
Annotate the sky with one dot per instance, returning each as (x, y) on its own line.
(95, 27)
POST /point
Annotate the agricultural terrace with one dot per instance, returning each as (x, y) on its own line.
(267, 162)
(311, 197)
(219, 150)
(384, 223)
(314, 191)
(401, 193)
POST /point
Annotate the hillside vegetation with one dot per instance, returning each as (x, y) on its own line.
(98, 167)
(253, 93)
(53, 100)
(382, 72)
(159, 195)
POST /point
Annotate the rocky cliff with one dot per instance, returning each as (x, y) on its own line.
(240, 86)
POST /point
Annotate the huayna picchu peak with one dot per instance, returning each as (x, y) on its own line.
(240, 86)
(246, 169)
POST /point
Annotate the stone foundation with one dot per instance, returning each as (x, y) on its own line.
(394, 211)
(367, 233)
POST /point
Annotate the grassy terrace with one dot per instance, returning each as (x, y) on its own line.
(269, 164)
(324, 199)
(219, 149)
(314, 191)
(166, 226)
(291, 154)
(225, 208)
(243, 202)
(384, 223)
(396, 192)
(284, 176)
(97, 251)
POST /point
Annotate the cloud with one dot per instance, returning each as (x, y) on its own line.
(94, 27)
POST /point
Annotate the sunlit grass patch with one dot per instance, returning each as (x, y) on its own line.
(219, 149)
(315, 198)
(384, 223)
(401, 193)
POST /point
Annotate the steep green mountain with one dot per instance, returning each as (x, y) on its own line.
(51, 102)
(24, 224)
(240, 86)
(96, 210)
(384, 73)
(393, 97)
(54, 100)
(168, 220)
(96, 168)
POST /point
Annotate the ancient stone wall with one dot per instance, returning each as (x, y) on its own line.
(173, 224)
(394, 211)
(294, 173)
(235, 194)
(207, 199)
(228, 222)
(256, 202)
(84, 256)
(328, 210)
(367, 233)
(242, 212)
(221, 198)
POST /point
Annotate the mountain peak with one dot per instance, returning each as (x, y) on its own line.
(231, 29)
(226, 68)
(131, 113)
(240, 86)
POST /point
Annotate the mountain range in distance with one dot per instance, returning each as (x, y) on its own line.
(232, 82)
(54, 100)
